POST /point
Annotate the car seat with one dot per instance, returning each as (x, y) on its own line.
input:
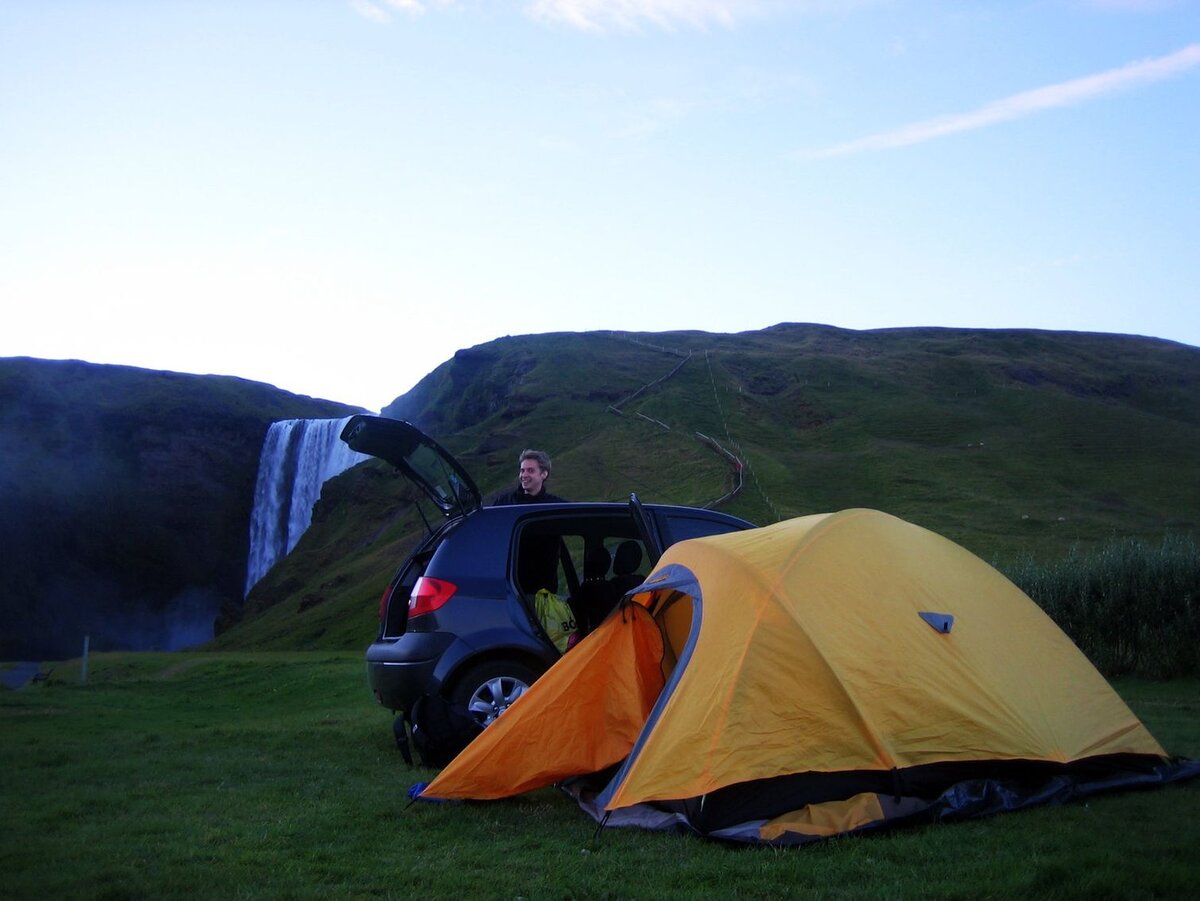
(596, 561)
(625, 564)
(596, 595)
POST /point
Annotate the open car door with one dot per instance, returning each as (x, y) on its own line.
(646, 530)
(423, 461)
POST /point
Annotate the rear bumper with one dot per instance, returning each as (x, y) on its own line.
(401, 670)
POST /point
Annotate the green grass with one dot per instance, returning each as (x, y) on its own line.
(274, 775)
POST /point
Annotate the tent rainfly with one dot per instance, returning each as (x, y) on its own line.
(822, 676)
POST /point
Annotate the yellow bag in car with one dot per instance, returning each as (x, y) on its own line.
(556, 618)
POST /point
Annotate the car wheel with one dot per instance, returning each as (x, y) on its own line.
(487, 690)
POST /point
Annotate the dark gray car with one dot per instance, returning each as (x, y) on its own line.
(457, 621)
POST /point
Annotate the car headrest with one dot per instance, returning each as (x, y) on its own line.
(628, 558)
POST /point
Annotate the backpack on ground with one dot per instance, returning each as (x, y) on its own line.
(439, 730)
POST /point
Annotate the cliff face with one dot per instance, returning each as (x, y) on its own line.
(125, 501)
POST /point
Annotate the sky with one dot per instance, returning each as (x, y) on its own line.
(333, 196)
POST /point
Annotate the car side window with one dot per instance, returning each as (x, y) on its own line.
(561, 552)
(680, 527)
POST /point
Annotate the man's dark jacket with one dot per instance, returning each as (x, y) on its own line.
(518, 496)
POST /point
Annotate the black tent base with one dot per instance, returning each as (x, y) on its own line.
(937, 792)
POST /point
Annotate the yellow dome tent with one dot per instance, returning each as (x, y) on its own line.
(824, 675)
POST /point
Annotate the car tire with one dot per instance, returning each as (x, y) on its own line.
(488, 689)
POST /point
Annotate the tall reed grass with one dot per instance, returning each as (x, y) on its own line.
(1132, 606)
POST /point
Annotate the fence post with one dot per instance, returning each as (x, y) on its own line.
(87, 640)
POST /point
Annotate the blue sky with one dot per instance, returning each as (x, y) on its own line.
(335, 195)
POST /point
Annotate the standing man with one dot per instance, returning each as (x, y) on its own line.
(531, 482)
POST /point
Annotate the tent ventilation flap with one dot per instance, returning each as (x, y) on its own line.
(941, 622)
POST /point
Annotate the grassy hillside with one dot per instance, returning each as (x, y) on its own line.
(1012, 443)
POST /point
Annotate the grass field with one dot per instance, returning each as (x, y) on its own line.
(274, 775)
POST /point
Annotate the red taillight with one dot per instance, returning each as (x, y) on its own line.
(383, 602)
(429, 594)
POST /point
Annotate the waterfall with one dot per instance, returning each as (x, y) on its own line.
(298, 455)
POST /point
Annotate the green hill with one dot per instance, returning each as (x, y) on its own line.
(1009, 442)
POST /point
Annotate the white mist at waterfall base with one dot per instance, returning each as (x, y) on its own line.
(298, 456)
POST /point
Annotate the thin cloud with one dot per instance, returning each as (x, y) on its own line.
(624, 15)
(380, 10)
(601, 16)
(1066, 93)
(1136, 6)
(414, 7)
(668, 15)
(369, 10)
